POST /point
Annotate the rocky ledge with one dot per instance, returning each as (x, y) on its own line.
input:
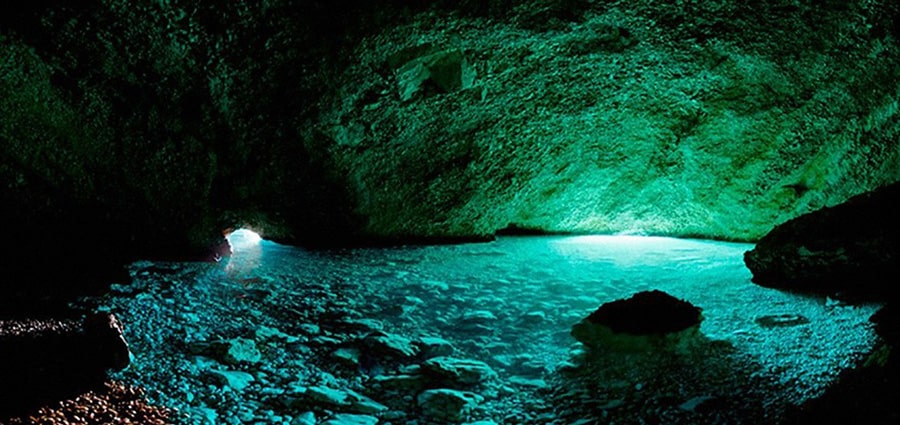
(46, 360)
(852, 249)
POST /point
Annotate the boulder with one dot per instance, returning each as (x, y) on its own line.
(447, 405)
(106, 332)
(457, 371)
(852, 249)
(343, 399)
(238, 350)
(47, 358)
(383, 345)
(648, 320)
(434, 347)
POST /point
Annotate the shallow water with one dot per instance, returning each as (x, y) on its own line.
(509, 303)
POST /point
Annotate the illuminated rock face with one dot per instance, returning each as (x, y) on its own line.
(134, 130)
(622, 121)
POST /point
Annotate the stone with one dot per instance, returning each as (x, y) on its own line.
(344, 399)
(446, 70)
(478, 317)
(385, 345)
(205, 416)
(434, 347)
(781, 320)
(399, 382)
(648, 320)
(305, 418)
(265, 333)
(527, 382)
(458, 371)
(235, 380)
(309, 328)
(237, 350)
(447, 404)
(359, 325)
(692, 404)
(351, 419)
(533, 317)
(346, 355)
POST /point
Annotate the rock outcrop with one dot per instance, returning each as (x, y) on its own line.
(852, 249)
(648, 321)
(41, 360)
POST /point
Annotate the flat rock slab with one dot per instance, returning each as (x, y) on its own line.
(781, 320)
(458, 371)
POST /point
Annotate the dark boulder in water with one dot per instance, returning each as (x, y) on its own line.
(649, 320)
(648, 312)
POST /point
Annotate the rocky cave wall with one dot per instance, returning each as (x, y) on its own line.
(140, 129)
(710, 119)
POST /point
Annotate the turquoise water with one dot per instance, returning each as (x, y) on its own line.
(509, 303)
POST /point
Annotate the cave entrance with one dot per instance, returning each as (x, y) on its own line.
(243, 240)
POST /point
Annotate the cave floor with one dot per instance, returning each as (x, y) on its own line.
(276, 334)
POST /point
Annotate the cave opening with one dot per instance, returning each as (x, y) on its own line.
(242, 240)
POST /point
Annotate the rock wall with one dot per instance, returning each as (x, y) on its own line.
(144, 129)
(711, 119)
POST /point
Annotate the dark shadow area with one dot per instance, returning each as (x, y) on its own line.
(866, 393)
(711, 384)
(48, 360)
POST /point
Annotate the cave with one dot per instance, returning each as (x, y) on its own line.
(394, 212)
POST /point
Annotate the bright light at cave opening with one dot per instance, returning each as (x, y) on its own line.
(243, 239)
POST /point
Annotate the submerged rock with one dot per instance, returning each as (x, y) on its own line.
(446, 404)
(647, 320)
(351, 419)
(389, 346)
(458, 371)
(781, 320)
(345, 399)
(238, 350)
(236, 380)
(434, 347)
